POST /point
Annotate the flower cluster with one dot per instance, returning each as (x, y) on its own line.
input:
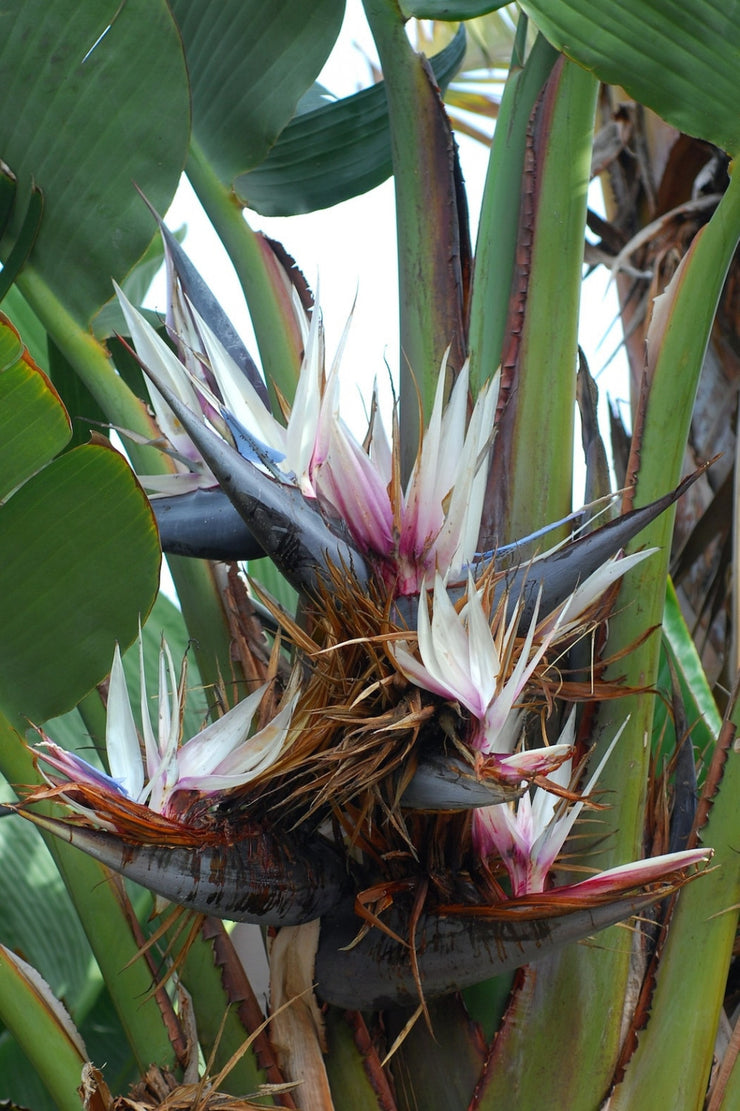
(428, 629)
(474, 654)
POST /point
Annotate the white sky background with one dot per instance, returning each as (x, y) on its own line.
(351, 249)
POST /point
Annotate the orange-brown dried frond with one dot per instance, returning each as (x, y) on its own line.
(562, 900)
(160, 1090)
(97, 808)
(358, 720)
(249, 643)
(180, 931)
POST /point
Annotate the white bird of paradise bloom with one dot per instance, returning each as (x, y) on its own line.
(529, 836)
(151, 768)
(433, 524)
(464, 660)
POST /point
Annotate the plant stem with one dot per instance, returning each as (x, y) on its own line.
(265, 285)
(429, 225)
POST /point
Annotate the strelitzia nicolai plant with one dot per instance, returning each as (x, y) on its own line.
(428, 649)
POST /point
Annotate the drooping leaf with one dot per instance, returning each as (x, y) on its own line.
(25, 240)
(107, 105)
(79, 558)
(249, 64)
(335, 152)
(678, 59)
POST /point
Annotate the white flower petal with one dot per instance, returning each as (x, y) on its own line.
(154, 352)
(238, 394)
(121, 738)
(207, 749)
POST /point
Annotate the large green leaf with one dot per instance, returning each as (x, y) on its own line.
(333, 152)
(95, 98)
(27, 323)
(34, 425)
(79, 560)
(679, 59)
(249, 64)
(42, 923)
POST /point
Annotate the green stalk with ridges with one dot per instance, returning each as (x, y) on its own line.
(532, 466)
(210, 1004)
(497, 231)
(46, 1042)
(675, 361)
(597, 977)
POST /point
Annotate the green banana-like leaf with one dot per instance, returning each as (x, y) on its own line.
(539, 358)
(335, 151)
(678, 59)
(79, 552)
(105, 107)
(34, 425)
(79, 557)
(249, 64)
